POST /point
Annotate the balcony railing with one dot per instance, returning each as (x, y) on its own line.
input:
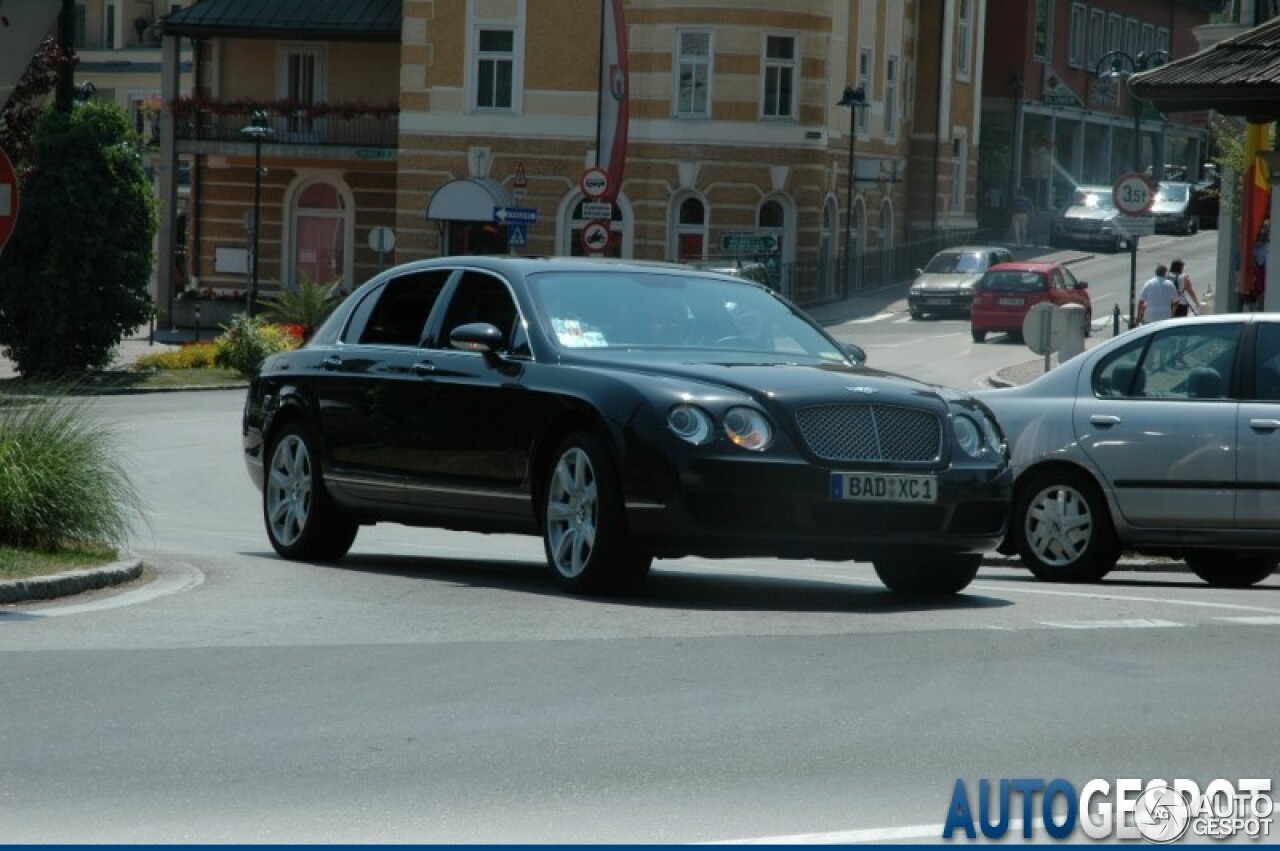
(360, 125)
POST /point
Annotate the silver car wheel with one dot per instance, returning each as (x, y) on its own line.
(289, 490)
(1059, 525)
(573, 504)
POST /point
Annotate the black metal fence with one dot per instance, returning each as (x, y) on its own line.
(810, 284)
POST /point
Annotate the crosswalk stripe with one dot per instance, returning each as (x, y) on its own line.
(1129, 623)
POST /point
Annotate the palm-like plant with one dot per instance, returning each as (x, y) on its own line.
(307, 306)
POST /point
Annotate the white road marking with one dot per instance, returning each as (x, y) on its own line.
(879, 317)
(1123, 623)
(1270, 620)
(1124, 598)
(869, 835)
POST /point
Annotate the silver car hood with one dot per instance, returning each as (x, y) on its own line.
(946, 281)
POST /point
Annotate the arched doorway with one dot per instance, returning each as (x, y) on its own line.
(320, 233)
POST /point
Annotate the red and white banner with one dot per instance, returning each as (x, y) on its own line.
(614, 114)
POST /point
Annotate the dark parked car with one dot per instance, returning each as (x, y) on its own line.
(1164, 440)
(1206, 201)
(621, 411)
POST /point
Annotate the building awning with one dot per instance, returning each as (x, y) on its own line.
(468, 199)
(1238, 76)
(344, 20)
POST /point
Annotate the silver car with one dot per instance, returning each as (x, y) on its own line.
(1172, 209)
(1164, 440)
(1089, 219)
(946, 284)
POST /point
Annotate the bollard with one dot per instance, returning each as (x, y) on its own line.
(197, 323)
(1115, 321)
(1072, 318)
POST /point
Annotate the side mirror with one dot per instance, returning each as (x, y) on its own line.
(856, 353)
(1082, 285)
(919, 272)
(477, 337)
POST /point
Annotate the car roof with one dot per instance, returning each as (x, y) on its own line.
(972, 249)
(528, 264)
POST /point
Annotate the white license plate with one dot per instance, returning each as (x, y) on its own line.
(937, 301)
(883, 487)
(1009, 302)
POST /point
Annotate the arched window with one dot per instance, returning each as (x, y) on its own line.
(321, 234)
(691, 229)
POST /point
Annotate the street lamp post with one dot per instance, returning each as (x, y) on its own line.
(1117, 65)
(852, 99)
(258, 131)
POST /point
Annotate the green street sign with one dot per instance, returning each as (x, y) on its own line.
(748, 243)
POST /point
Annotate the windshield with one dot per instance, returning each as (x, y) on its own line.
(1096, 200)
(627, 310)
(955, 262)
(1175, 194)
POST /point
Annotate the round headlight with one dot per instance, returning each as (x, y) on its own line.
(748, 428)
(968, 435)
(690, 424)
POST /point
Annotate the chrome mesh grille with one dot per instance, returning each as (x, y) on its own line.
(870, 432)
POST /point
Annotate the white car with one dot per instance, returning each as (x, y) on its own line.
(1164, 440)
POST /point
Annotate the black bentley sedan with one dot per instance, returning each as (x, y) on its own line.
(622, 411)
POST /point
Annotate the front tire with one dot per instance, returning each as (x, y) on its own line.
(979, 336)
(1064, 529)
(1231, 570)
(301, 518)
(585, 535)
(927, 574)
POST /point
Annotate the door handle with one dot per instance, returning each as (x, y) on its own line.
(1264, 424)
(331, 362)
(424, 367)
(1104, 420)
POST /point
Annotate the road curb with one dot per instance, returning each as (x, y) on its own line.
(71, 582)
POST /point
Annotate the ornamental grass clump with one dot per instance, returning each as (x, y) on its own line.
(61, 484)
(248, 341)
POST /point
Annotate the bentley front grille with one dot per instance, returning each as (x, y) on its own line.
(871, 432)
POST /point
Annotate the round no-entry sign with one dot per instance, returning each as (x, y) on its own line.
(594, 182)
(1133, 193)
(8, 199)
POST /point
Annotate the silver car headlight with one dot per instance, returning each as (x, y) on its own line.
(691, 424)
(747, 428)
(916, 289)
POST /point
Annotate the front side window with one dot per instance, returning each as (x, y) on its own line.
(693, 73)
(1180, 362)
(495, 68)
(779, 76)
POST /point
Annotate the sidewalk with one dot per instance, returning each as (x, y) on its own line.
(139, 342)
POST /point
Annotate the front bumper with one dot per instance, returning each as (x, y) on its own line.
(939, 300)
(784, 509)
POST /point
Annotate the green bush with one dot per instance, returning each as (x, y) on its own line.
(248, 341)
(189, 356)
(61, 484)
(73, 278)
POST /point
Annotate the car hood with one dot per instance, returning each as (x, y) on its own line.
(947, 281)
(1089, 213)
(1168, 207)
(785, 384)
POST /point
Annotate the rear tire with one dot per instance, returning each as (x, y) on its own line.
(585, 535)
(927, 574)
(1064, 529)
(1231, 570)
(302, 520)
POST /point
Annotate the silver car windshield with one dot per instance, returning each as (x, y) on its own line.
(627, 310)
(955, 262)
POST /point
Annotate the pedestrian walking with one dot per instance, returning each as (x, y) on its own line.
(1157, 298)
(1021, 209)
(1188, 301)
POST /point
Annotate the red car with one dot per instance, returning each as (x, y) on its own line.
(1005, 293)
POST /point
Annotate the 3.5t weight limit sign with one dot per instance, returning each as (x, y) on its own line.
(1133, 194)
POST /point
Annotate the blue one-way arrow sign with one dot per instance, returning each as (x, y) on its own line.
(515, 215)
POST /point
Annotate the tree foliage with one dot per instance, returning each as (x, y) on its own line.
(19, 116)
(73, 278)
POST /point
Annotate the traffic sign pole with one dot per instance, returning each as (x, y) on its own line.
(1133, 195)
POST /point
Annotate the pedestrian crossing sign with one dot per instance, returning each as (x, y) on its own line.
(517, 235)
